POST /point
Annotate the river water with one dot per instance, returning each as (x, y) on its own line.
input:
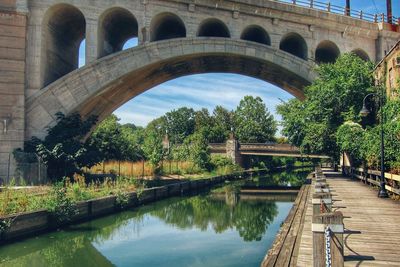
(211, 229)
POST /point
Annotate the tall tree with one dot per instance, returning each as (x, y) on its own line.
(107, 139)
(333, 98)
(63, 150)
(253, 122)
(180, 124)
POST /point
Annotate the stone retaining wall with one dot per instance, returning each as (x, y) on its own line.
(31, 223)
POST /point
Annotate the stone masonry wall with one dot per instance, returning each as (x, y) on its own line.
(12, 81)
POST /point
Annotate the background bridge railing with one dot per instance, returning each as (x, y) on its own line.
(372, 177)
(341, 10)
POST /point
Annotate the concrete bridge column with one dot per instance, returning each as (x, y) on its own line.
(232, 150)
(91, 40)
(12, 82)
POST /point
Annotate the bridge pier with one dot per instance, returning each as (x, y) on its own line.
(13, 25)
(232, 151)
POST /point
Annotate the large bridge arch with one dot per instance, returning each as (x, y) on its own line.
(104, 85)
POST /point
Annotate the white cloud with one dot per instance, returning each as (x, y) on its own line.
(198, 91)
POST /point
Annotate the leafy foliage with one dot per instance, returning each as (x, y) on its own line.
(350, 138)
(114, 141)
(60, 205)
(334, 97)
(63, 150)
(253, 123)
(153, 148)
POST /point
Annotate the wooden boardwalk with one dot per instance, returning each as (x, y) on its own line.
(372, 226)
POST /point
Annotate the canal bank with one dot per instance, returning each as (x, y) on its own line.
(22, 225)
(201, 230)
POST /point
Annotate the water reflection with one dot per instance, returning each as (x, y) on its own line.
(294, 178)
(208, 223)
(249, 218)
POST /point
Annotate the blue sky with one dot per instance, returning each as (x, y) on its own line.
(209, 90)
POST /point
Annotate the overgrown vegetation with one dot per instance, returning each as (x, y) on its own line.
(181, 135)
(328, 121)
(334, 97)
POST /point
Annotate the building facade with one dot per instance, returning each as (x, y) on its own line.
(387, 71)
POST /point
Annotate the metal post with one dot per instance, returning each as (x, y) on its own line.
(347, 11)
(39, 171)
(143, 168)
(389, 11)
(8, 168)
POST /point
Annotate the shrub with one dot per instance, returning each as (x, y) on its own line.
(60, 205)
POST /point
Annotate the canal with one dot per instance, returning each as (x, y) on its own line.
(221, 227)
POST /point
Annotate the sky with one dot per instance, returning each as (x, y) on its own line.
(209, 90)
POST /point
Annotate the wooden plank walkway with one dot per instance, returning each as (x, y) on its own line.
(284, 250)
(372, 227)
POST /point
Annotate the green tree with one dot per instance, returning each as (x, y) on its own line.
(198, 148)
(223, 124)
(350, 138)
(107, 139)
(333, 98)
(153, 148)
(180, 123)
(63, 150)
(253, 122)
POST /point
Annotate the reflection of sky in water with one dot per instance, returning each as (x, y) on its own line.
(152, 242)
(195, 231)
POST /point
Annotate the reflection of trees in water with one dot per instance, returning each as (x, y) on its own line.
(250, 218)
(76, 251)
(74, 246)
(288, 178)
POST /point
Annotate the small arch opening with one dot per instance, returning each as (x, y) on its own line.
(133, 42)
(326, 52)
(117, 25)
(361, 54)
(64, 28)
(294, 44)
(213, 28)
(167, 26)
(256, 34)
(82, 53)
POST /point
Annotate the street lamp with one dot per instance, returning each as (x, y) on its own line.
(364, 112)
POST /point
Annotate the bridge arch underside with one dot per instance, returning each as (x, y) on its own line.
(103, 86)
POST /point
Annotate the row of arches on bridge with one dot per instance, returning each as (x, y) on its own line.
(65, 28)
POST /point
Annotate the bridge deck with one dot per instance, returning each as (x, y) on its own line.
(372, 225)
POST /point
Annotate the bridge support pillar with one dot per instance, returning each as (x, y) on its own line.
(232, 151)
(91, 40)
(13, 23)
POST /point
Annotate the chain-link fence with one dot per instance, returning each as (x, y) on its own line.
(20, 168)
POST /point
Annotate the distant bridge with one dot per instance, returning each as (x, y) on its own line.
(236, 150)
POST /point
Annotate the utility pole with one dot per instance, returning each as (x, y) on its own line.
(347, 12)
(389, 11)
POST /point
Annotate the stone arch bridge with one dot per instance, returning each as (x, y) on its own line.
(270, 40)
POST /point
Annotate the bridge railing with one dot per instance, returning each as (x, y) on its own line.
(327, 6)
(272, 147)
(372, 177)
